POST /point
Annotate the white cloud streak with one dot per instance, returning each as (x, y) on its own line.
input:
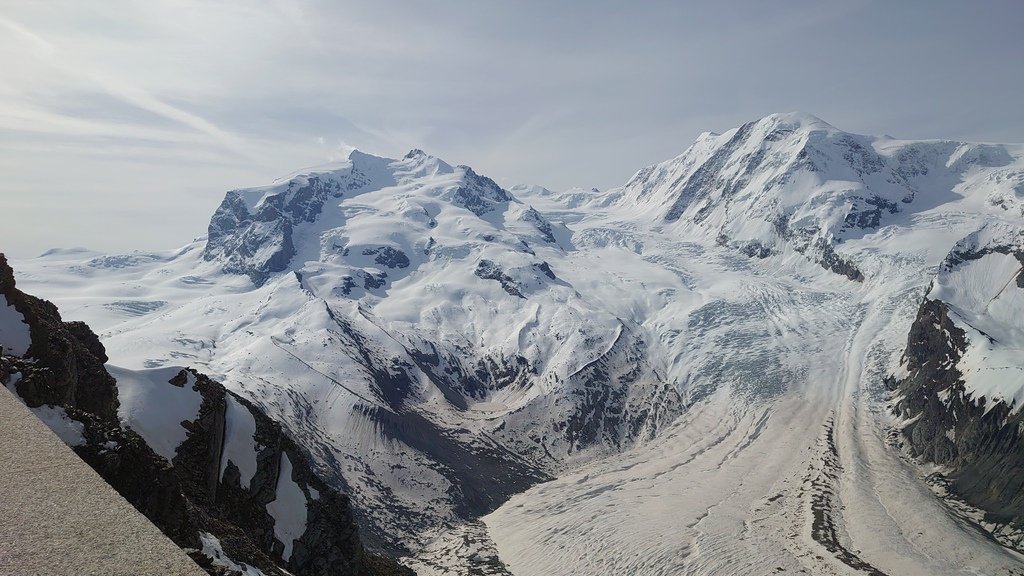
(63, 63)
(191, 98)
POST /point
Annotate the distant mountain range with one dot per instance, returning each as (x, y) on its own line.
(476, 369)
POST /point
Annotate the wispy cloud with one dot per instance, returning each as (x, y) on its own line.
(63, 62)
(188, 95)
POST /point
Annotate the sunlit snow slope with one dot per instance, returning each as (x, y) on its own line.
(696, 359)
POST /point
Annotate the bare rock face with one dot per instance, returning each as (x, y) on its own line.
(190, 495)
(64, 367)
(257, 241)
(979, 441)
(479, 194)
(71, 354)
(490, 271)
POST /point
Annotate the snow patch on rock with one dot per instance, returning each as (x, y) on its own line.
(15, 337)
(288, 509)
(239, 440)
(71, 431)
(213, 550)
(155, 408)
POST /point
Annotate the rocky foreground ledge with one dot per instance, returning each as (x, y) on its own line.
(60, 517)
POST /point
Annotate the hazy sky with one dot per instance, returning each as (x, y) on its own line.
(123, 123)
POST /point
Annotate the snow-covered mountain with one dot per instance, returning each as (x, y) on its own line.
(664, 363)
(205, 466)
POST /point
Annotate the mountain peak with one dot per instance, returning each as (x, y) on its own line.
(357, 155)
(795, 120)
(417, 164)
(793, 180)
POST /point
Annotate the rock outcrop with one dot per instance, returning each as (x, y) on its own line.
(956, 414)
(71, 354)
(256, 239)
(200, 492)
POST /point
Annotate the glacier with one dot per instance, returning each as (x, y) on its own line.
(683, 375)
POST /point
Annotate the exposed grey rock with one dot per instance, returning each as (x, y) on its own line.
(69, 356)
(330, 544)
(541, 224)
(488, 270)
(830, 260)
(388, 256)
(705, 179)
(347, 284)
(479, 194)
(259, 243)
(609, 413)
(374, 280)
(867, 212)
(545, 269)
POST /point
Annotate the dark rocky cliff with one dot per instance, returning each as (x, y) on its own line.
(258, 242)
(64, 367)
(979, 439)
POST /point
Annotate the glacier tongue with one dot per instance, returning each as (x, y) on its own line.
(687, 370)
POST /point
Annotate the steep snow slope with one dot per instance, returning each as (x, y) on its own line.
(794, 182)
(441, 344)
(982, 290)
